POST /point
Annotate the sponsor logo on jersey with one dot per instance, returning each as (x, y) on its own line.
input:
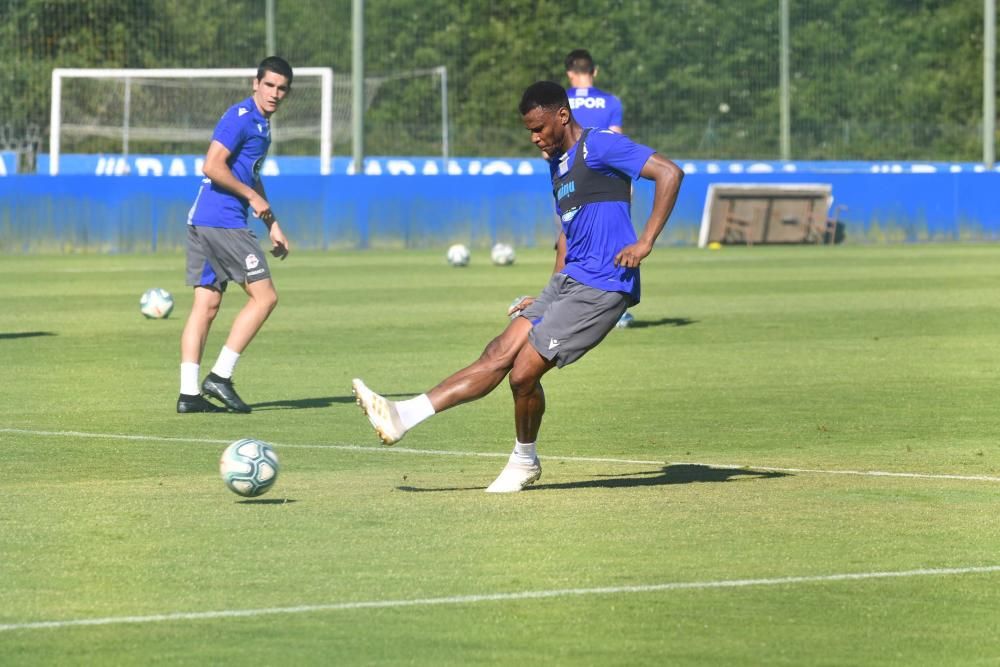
(252, 261)
(587, 102)
(566, 189)
(242, 112)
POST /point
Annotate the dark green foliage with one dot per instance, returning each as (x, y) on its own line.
(878, 79)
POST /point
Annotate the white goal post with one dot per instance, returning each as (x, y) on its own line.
(130, 77)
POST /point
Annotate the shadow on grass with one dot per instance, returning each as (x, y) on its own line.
(662, 322)
(266, 501)
(318, 402)
(678, 473)
(25, 334)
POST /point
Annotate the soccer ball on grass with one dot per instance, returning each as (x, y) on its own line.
(458, 255)
(249, 467)
(502, 254)
(156, 304)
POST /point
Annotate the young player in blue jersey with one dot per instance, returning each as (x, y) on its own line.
(221, 248)
(591, 107)
(596, 279)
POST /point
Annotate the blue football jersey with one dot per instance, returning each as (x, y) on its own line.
(592, 107)
(245, 131)
(597, 231)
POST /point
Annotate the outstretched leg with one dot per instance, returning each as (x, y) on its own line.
(391, 420)
(483, 375)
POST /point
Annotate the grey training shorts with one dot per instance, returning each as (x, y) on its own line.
(568, 318)
(216, 255)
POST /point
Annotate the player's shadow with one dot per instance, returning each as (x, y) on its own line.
(318, 402)
(266, 501)
(662, 322)
(676, 473)
(25, 334)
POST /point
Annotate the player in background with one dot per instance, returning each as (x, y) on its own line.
(221, 246)
(592, 107)
(596, 279)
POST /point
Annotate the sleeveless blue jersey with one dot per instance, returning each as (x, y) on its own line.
(592, 107)
(597, 231)
(246, 133)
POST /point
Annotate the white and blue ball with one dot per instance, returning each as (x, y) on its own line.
(249, 467)
(458, 255)
(625, 321)
(156, 304)
(502, 254)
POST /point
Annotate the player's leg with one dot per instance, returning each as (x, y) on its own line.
(203, 311)
(208, 290)
(238, 255)
(483, 375)
(523, 467)
(261, 301)
(573, 322)
(392, 419)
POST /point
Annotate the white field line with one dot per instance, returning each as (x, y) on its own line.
(494, 597)
(441, 452)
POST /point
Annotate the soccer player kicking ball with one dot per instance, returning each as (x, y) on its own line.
(222, 248)
(595, 281)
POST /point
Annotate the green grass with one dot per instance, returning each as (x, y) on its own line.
(750, 378)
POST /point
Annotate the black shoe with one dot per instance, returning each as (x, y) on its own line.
(196, 403)
(222, 389)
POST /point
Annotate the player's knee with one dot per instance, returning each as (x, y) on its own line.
(523, 380)
(497, 356)
(267, 300)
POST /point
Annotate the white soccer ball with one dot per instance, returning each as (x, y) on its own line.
(625, 320)
(458, 255)
(502, 254)
(249, 467)
(156, 303)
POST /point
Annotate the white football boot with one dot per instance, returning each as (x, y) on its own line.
(515, 476)
(381, 413)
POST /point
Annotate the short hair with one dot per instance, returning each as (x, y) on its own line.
(579, 61)
(276, 65)
(545, 94)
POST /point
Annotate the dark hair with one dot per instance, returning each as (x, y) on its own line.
(545, 94)
(580, 61)
(276, 65)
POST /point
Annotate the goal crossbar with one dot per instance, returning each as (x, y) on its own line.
(325, 75)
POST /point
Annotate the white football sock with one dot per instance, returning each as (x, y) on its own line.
(189, 378)
(226, 363)
(524, 452)
(414, 411)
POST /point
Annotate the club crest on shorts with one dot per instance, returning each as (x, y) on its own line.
(252, 261)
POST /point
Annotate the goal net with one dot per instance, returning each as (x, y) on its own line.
(174, 111)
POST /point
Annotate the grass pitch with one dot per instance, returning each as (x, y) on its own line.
(709, 492)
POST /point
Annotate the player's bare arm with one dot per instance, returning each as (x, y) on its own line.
(667, 176)
(279, 244)
(560, 252)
